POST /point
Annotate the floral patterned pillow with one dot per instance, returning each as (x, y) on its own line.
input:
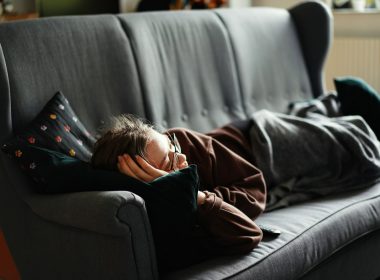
(57, 128)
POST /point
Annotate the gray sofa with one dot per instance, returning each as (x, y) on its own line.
(192, 69)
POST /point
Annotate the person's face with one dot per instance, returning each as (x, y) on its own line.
(162, 153)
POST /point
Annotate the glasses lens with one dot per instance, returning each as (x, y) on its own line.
(177, 150)
(176, 144)
(175, 161)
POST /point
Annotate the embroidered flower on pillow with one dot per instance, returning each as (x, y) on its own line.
(56, 127)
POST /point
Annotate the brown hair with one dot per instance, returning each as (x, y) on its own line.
(126, 134)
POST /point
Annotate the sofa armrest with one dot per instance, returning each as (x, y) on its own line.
(115, 213)
(314, 20)
(93, 211)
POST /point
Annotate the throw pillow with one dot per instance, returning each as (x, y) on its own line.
(58, 128)
(358, 98)
(171, 200)
(54, 150)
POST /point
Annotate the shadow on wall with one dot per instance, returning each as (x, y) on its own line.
(76, 7)
(156, 5)
(23, 6)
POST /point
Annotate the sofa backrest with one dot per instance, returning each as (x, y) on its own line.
(198, 69)
(187, 68)
(88, 58)
(192, 69)
(195, 69)
(269, 60)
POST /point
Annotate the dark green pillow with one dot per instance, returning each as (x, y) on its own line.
(54, 149)
(358, 98)
(171, 200)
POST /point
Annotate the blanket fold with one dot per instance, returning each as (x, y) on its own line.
(313, 151)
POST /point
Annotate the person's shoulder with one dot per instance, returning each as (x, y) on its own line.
(189, 134)
(182, 130)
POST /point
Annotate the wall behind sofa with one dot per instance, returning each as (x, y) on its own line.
(356, 47)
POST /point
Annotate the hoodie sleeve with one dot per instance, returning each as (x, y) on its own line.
(236, 180)
(231, 230)
(235, 189)
(224, 167)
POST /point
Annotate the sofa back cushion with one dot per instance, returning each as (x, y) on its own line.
(278, 56)
(187, 68)
(192, 69)
(267, 37)
(88, 58)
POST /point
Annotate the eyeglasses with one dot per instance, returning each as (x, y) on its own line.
(177, 150)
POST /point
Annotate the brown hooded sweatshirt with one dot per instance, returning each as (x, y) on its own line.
(235, 189)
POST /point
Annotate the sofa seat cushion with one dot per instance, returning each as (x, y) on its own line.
(312, 232)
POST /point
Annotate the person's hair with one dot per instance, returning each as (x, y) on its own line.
(125, 134)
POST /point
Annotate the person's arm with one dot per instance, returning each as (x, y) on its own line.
(236, 199)
(141, 170)
(235, 193)
(231, 231)
(223, 170)
(236, 181)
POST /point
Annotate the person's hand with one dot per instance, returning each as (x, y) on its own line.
(201, 198)
(139, 169)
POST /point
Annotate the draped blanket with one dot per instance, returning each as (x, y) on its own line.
(313, 151)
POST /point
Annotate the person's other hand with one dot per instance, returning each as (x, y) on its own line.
(139, 169)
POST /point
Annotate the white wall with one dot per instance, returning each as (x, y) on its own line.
(275, 3)
(279, 3)
(128, 5)
(356, 48)
(239, 3)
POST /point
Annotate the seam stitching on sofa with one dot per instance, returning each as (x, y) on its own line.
(301, 233)
(8, 85)
(149, 242)
(337, 250)
(235, 61)
(51, 221)
(125, 205)
(147, 110)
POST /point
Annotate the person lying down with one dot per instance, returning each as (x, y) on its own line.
(232, 190)
(312, 151)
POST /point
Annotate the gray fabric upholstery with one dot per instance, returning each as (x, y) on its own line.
(5, 113)
(192, 69)
(312, 233)
(47, 234)
(312, 21)
(187, 71)
(88, 58)
(271, 85)
(55, 252)
(117, 214)
(364, 253)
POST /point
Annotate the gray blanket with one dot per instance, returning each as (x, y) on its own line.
(313, 151)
